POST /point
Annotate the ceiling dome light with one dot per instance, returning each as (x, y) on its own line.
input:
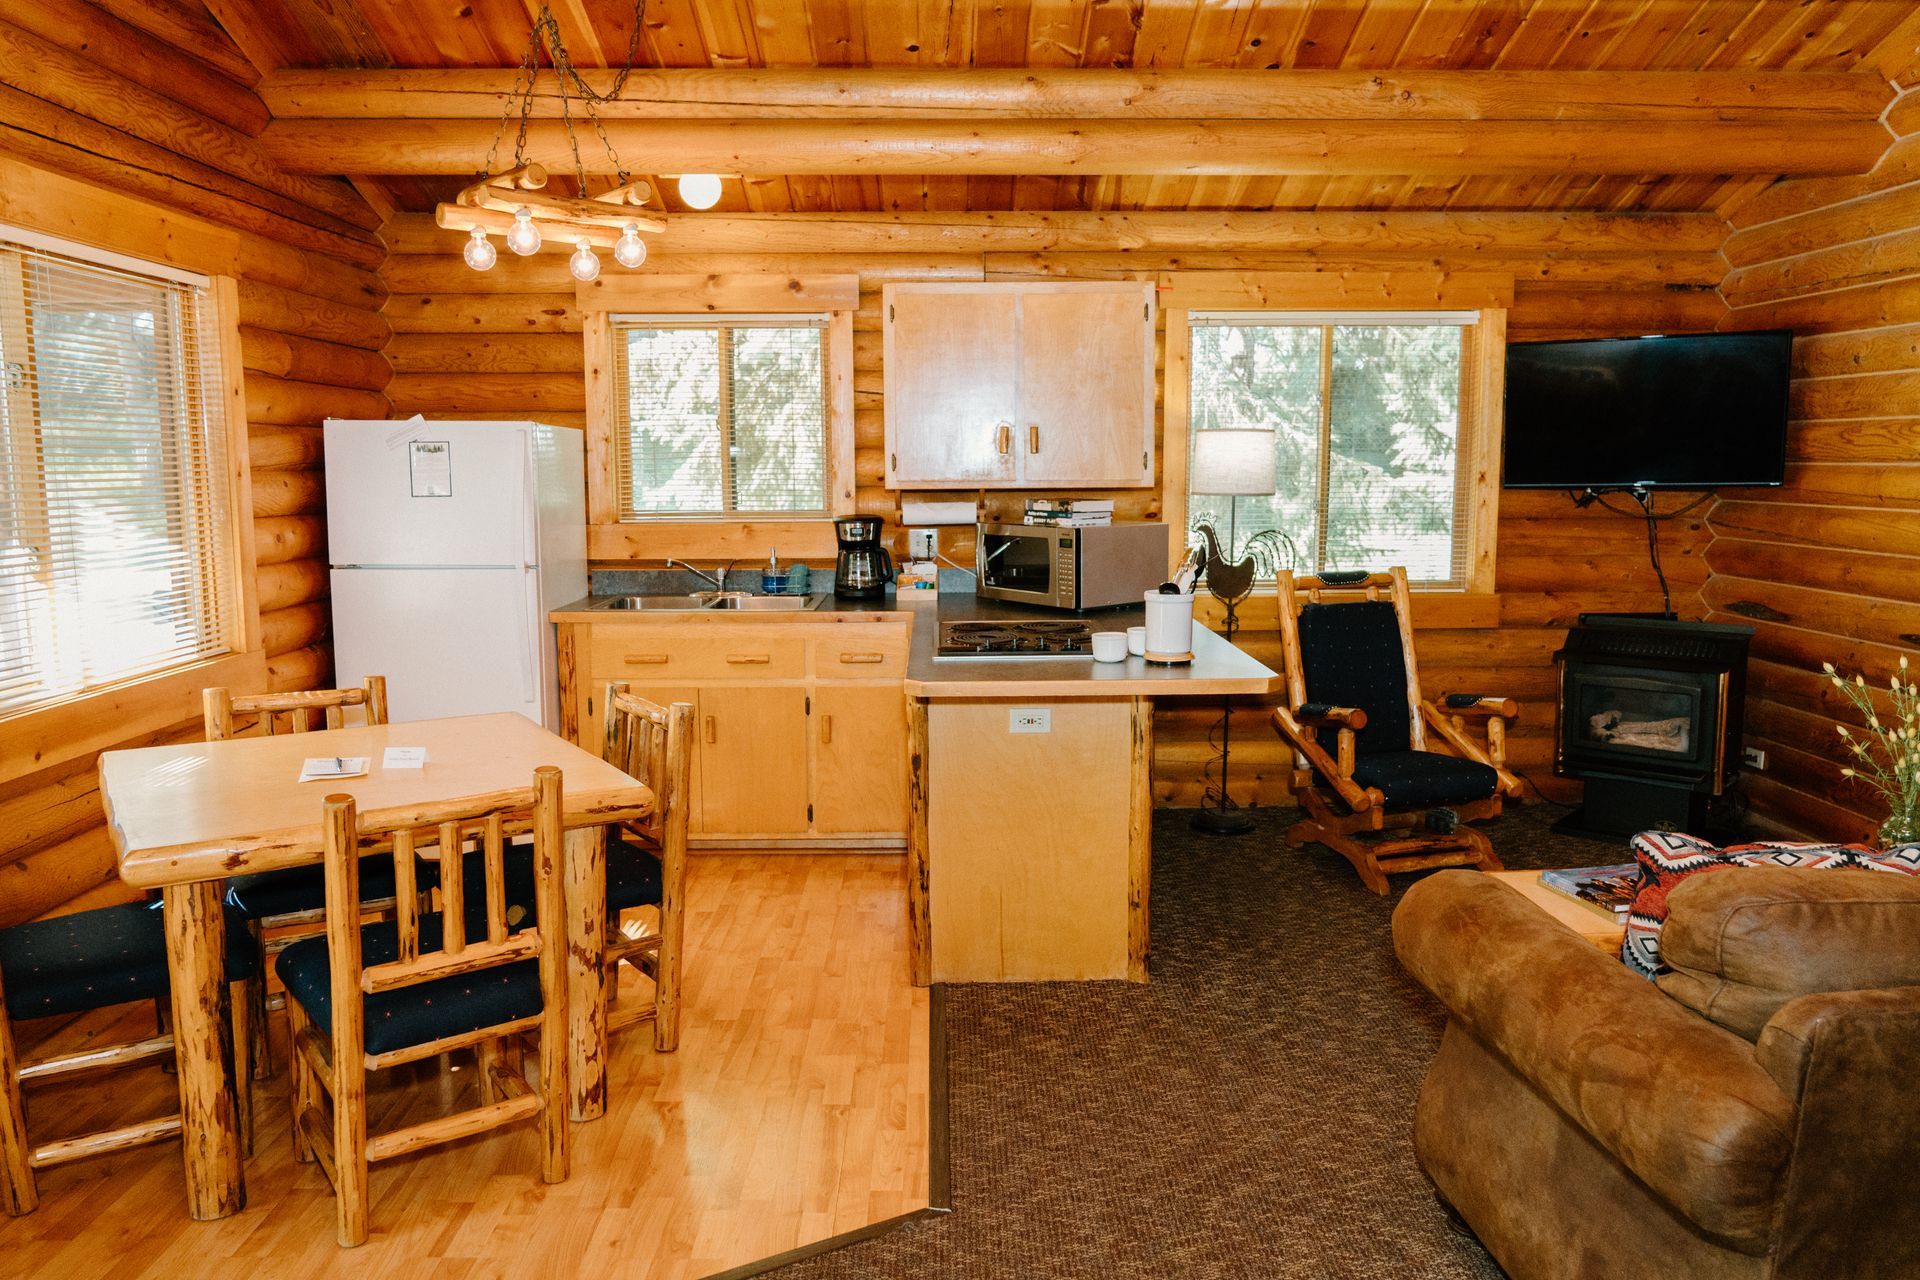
(700, 190)
(478, 253)
(583, 264)
(630, 250)
(523, 237)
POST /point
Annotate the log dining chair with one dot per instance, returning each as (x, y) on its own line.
(279, 906)
(647, 858)
(1365, 770)
(367, 997)
(77, 963)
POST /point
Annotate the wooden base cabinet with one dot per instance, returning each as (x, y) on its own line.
(800, 728)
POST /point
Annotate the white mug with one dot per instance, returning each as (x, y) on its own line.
(1109, 646)
(1136, 641)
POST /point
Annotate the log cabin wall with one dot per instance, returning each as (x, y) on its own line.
(109, 132)
(1827, 568)
(507, 343)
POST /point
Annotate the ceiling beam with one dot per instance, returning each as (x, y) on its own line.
(1078, 147)
(1304, 232)
(1051, 93)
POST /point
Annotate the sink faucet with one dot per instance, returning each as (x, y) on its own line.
(719, 583)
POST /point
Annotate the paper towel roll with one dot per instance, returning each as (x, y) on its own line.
(926, 513)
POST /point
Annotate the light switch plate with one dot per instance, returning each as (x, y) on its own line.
(1030, 720)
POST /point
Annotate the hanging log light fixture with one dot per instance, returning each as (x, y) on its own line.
(513, 203)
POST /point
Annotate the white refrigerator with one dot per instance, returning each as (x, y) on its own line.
(449, 542)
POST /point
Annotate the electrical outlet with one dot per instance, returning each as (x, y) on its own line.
(1030, 720)
(923, 544)
(1754, 758)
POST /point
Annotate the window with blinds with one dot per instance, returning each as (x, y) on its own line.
(114, 556)
(720, 419)
(1367, 414)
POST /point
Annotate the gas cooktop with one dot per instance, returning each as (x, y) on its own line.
(1041, 638)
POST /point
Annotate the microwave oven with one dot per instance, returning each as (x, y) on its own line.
(1096, 567)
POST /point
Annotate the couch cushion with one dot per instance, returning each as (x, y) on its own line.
(1353, 658)
(1739, 947)
(92, 959)
(1419, 779)
(408, 1016)
(1667, 858)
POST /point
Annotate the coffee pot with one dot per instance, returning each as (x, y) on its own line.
(864, 568)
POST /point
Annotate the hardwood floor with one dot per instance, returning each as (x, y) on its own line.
(796, 1108)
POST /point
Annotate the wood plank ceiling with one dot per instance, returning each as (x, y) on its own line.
(1868, 36)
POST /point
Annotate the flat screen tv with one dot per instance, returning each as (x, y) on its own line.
(1682, 411)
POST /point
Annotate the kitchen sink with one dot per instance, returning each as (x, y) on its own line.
(697, 601)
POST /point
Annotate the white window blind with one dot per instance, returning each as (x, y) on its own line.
(1367, 415)
(720, 418)
(114, 555)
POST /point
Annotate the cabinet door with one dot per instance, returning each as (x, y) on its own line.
(593, 731)
(753, 760)
(950, 364)
(859, 759)
(1086, 387)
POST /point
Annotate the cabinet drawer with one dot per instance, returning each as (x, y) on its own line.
(703, 653)
(871, 653)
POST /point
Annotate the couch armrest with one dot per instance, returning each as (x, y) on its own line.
(1847, 1058)
(1678, 1101)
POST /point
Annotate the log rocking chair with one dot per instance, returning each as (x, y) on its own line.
(1373, 789)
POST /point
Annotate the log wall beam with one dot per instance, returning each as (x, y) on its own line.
(1790, 146)
(1038, 93)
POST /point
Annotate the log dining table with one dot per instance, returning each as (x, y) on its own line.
(184, 818)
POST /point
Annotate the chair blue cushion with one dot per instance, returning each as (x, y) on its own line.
(409, 1016)
(633, 880)
(1421, 779)
(1353, 658)
(267, 894)
(92, 959)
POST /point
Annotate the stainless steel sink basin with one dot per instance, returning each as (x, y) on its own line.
(697, 601)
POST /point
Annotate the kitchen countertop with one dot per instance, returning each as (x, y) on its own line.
(1218, 668)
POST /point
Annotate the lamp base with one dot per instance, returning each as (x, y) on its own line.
(1221, 822)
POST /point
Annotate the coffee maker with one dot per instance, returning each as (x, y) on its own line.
(864, 568)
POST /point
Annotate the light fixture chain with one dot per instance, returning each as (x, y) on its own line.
(523, 79)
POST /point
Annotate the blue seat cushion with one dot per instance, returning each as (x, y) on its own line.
(633, 880)
(416, 1015)
(92, 959)
(1353, 657)
(1421, 779)
(267, 894)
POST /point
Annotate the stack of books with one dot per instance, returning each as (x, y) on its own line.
(1608, 890)
(1076, 513)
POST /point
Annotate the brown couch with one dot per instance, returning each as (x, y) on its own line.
(1754, 1115)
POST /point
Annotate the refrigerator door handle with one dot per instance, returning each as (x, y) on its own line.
(529, 647)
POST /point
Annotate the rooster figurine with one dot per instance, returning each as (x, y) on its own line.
(1231, 581)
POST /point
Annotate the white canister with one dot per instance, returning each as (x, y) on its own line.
(1137, 641)
(1109, 646)
(1169, 627)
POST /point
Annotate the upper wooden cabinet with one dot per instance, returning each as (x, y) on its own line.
(1028, 385)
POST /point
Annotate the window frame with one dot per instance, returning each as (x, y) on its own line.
(714, 300)
(87, 721)
(1351, 296)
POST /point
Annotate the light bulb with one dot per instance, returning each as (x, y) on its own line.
(583, 264)
(523, 237)
(700, 190)
(479, 253)
(630, 250)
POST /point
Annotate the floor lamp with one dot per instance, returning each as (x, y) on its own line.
(1231, 463)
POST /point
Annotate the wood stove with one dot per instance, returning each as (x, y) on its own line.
(1650, 719)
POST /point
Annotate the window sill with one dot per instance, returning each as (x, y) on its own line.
(88, 723)
(810, 538)
(1432, 610)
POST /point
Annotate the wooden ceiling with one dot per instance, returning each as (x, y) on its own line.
(1875, 38)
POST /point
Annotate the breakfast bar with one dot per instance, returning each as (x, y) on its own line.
(1029, 837)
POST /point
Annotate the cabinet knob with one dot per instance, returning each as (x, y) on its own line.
(713, 733)
(826, 728)
(1003, 437)
(1033, 437)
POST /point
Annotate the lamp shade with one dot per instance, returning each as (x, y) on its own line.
(1233, 461)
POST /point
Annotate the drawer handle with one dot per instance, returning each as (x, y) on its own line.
(713, 734)
(826, 728)
(851, 658)
(1003, 437)
(749, 659)
(645, 659)
(1033, 437)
